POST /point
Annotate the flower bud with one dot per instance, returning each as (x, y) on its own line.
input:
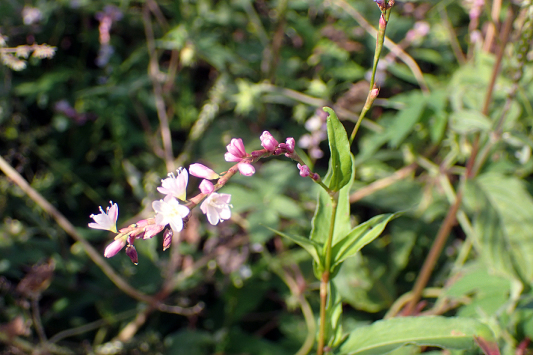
(167, 238)
(246, 169)
(290, 144)
(268, 142)
(202, 171)
(206, 187)
(113, 248)
(304, 170)
(132, 253)
(152, 230)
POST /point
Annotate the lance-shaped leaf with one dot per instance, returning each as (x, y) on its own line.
(311, 246)
(323, 213)
(384, 336)
(340, 162)
(358, 238)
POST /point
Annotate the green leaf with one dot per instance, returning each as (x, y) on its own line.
(311, 246)
(405, 120)
(333, 315)
(340, 162)
(384, 336)
(322, 218)
(358, 238)
(503, 220)
(469, 121)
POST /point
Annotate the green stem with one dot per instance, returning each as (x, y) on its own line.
(372, 91)
(325, 278)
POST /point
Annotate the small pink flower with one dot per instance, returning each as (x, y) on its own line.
(106, 220)
(217, 208)
(202, 171)
(170, 212)
(236, 151)
(175, 186)
(246, 169)
(113, 248)
(304, 170)
(268, 141)
(206, 187)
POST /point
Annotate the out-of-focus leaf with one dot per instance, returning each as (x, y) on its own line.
(310, 245)
(384, 336)
(469, 121)
(404, 121)
(488, 292)
(190, 342)
(503, 220)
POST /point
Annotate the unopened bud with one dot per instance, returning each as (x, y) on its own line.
(113, 248)
(167, 238)
(202, 171)
(206, 187)
(132, 253)
(382, 22)
(374, 92)
(304, 170)
(152, 230)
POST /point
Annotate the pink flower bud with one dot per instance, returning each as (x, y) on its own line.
(268, 142)
(206, 187)
(290, 144)
(374, 92)
(113, 248)
(202, 171)
(236, 151)
(167, 238)
(246, 169)
(304, 170)
(152, 230)
(132, 253)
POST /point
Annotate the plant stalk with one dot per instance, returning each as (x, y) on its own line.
(325, 278)
(373, 91)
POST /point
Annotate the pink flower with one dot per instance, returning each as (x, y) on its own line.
(113, 248)
(206, 187)
(246, 169)
(170, 212)
(175, 186)
(202, 171)
(217, 208)
(235, 151)
(268, 141)
(304, 170)
(106, 220)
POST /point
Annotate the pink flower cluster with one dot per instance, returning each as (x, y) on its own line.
(172, 212)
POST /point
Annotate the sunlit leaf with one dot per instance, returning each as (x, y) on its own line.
(384, 336)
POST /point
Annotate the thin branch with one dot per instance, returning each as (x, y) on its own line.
(393, 47)
(70, 230)
(154, 73)
(383, 183)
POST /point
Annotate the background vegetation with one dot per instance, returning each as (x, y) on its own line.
(136, 89)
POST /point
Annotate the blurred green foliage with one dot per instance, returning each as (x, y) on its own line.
(84, 127)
